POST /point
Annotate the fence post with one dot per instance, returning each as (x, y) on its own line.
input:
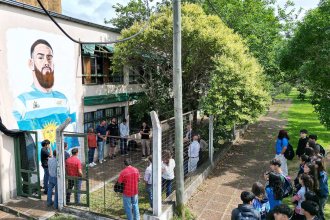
(211, 149)
(60, 164)
(156, 164)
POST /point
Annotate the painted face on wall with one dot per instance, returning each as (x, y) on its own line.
(43, 66)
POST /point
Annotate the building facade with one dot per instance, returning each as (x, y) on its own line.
(46, 78)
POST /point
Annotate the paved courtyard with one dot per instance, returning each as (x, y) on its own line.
(243, 165)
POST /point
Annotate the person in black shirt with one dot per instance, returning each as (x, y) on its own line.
(66, 153)
(46, 152)
(101, 131)
(113, 132)
(145, 139)
(302, 142)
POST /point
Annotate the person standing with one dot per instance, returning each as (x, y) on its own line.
(66, 153)
(274, 189)
(129, 176)
(324, 189)
(280, 148)
(91, 139)
(113, 132)
(148, 180)
(101, 131)
(124, 132)
(193, 154)
(45, 154)
(310, 210)
(73, 169)
(168, 165)
(302, 143)
(52, 168)
(245, 210)
(145, 139)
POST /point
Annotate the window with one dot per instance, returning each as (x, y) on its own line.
(92, 119)
(135, 76)
(97, 63)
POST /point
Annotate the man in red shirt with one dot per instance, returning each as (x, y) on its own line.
(130, 178)
(73, 169)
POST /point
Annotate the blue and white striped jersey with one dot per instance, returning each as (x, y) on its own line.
(37, 104)
(44, 112)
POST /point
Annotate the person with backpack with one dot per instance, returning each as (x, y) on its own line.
(281, 146)
(306, 183)
(313, 138)
(311, 169)
(323, 192)
(260, 202)
(302, 142)
(245, 211)
(274, 189)
(303, 160)
(275, 166)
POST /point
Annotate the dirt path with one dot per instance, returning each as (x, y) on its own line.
(243, 165)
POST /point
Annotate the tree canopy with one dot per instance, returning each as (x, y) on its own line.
(256, 22)
(219, 74)
(306, 58)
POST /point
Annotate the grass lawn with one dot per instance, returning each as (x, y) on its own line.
(301, 115)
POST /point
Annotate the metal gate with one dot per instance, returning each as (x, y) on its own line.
(78, 186)
(27, 165)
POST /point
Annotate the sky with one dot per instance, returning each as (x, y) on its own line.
(96, 10)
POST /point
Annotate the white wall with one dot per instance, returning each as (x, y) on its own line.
(13, 18)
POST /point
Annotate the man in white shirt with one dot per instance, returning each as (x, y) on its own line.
(193, 154)
(124, 132)
(148, 180)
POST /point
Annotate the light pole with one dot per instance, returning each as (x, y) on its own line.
(177, 86)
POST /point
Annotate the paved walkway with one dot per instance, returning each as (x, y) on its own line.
(243, 165)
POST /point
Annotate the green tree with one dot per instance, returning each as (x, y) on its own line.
(134, 11)
(256, 22)
(306, 58)
(216, 64)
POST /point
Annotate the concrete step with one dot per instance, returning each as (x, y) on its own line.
(6, 215)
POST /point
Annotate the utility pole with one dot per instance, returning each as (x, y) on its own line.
(177, 84)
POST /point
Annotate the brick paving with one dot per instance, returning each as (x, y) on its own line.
(243, 165)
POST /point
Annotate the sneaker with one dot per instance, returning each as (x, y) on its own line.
(90, 165)
(122, 155)
(100, 161)
(94, 163)
(114, 155)
(104, 160)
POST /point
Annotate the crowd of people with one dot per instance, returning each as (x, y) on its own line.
(308, 191)
(96, 141)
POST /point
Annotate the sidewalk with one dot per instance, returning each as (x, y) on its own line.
(243, 165)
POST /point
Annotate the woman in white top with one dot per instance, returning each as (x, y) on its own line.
(168, 165)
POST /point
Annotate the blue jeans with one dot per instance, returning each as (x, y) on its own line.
(77, 187)
(149, 191)
(46, 179)
(123, 146)
(323, 201)
(168, 185)
(131, 204)
(51, 185)
(100, 148)
(91, 152)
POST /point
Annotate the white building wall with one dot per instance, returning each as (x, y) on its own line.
(12, 17)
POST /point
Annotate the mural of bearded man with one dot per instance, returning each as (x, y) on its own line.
(42, 108)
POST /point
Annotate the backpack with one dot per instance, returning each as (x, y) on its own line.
(287, 188)
(289, 153)
(241, 217)
(322, 151)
